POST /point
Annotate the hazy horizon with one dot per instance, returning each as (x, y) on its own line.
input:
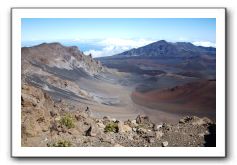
(105, 36)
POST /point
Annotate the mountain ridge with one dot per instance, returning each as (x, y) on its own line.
(169, 49)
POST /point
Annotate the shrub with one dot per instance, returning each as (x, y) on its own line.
(111, 127)
(67, 121)
(61, 143)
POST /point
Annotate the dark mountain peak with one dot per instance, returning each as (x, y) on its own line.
(169, 49)
(161, 42)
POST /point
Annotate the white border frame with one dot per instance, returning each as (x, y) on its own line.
(218, 151)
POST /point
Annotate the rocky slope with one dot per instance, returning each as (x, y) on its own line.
(55, 55)
(56, 69)
(46, 123)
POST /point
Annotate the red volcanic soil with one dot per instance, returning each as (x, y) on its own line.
(196, 98)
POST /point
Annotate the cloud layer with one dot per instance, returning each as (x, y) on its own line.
(204, 43)
(112, 46)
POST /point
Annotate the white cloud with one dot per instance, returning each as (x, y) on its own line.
(204, 43)
(113, 46)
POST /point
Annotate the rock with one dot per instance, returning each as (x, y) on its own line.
(207, 120)
(79, 117)
(106, 120)
(105, 138)
(157, 127)
(165, 144)
(142, 119)
(118, 145)
(151, 140)
(113, 120)
(128, 122)
(150, 133)
(74, 132)
(53, 113)
(101, 125)
(87, 111)
(134, 129)
(182, 121)
(130, 137)
(141, 131)
(134, 122)
(90, 132)
(201, 121)
(122, 128)
(158, 134)
(112, 141)
(185, 120)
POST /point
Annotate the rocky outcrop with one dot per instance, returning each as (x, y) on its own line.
(44, 123)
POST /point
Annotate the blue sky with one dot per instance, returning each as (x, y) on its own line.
(104, 36)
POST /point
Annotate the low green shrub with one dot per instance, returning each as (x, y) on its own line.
(111, 127)
(68, 121)
(61, 143)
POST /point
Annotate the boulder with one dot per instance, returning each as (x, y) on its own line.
(122, 128)
(201, 121)
(157, 127)
(90, 132)
(142, 119)
(165, 144)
